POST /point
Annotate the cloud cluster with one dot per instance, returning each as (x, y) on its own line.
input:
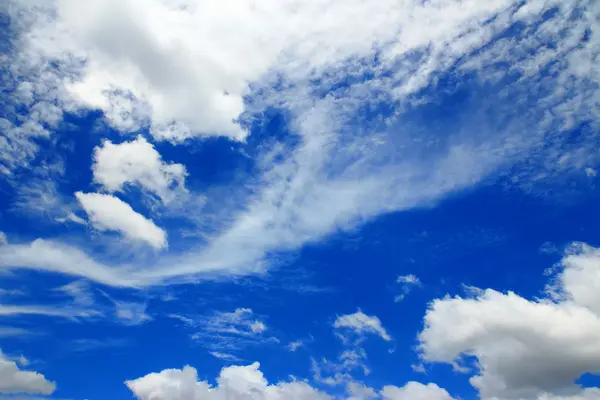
(234, 383)
(248, 382)
(525, 349)
(350, 160)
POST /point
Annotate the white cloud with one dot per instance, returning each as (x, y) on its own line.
(137, 162)
(358, 391)
(229, 332)
(131, 313)
(64, 312)
(295, 345)
(407, 282)
(11, 331)
(525, 349)
(233, 383)
(415, 391)
(79, 291)
(3, 238)
(14, 380)
(54, 256)
(11, 292)
(107, 212)
(248, 382)
(179, 67)
(409, 279)
(353, 167)
(225, 356)
(240, 321)
(362, 324)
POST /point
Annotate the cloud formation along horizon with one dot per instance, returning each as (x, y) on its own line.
(523, 349)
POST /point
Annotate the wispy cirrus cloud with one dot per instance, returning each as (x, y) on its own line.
(224, 334)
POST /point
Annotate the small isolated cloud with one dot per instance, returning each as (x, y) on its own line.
(225, 356)
(11, 331)
(137, 163)
(233, 383)
(409, 279)
(591, 172)
(13, 380)
(293, 346)
(525, 349)
(109, 213)
(407, 284)
(131, 313)
(228, 332)
(361, 324)
(79, 291)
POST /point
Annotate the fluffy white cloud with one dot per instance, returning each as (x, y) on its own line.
(248, 382)
(525, 349)
(107, 212)
(361, 323)
(179, 67)
(234, 383)
(13, 380)
(415, 391)
(137, 162)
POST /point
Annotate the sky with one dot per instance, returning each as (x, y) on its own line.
(305, 200)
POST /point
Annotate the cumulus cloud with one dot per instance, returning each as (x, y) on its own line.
(525, 349)
(233, 383)
(109, 213)
(13, 380)
(137, 163)
(248, 382)
(361, 324)
(415, 391)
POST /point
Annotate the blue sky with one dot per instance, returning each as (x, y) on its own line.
(335, 199)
